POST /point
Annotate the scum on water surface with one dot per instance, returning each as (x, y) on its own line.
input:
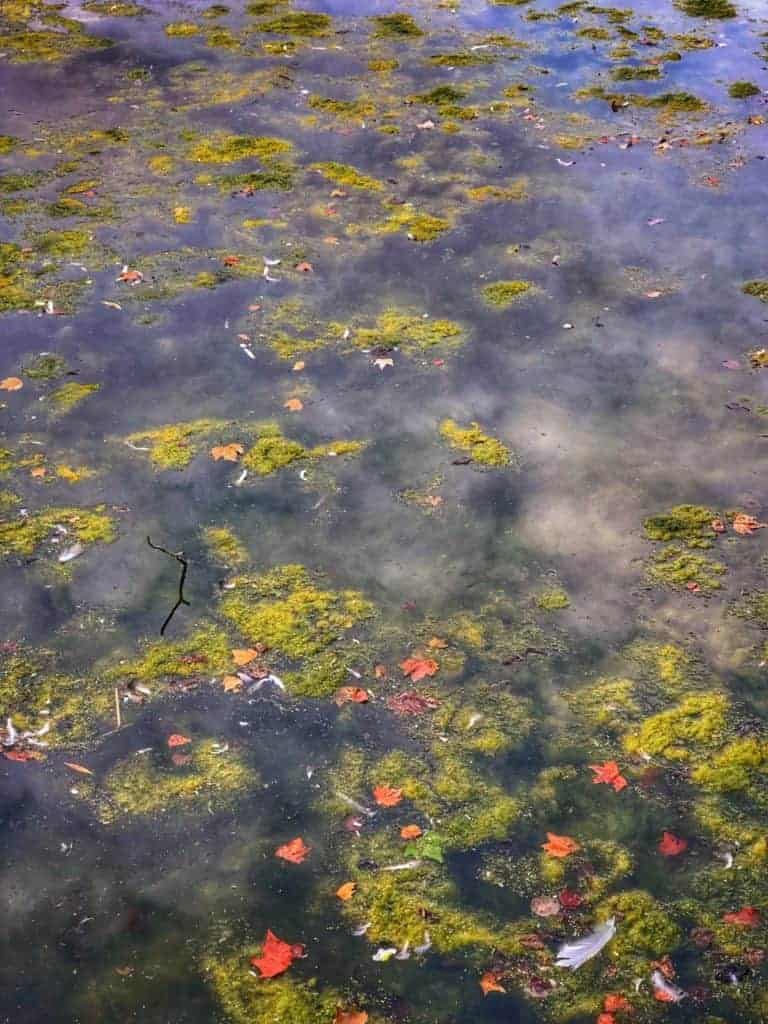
(430, 345)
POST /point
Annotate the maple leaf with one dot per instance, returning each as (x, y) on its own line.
(419, 668)
(352, 694)
(78, 768)
(244, 655)
(614, 1003)
(411, 832)
(293, 405)
(276, 956)
(609, 773)
(11, 384)
(229, 452)
(748, 917)
(231, 683)
(347, 891)
(350, 1017)
(177, 740)
(296, 852)
(560, 846)
(411, 703)
(386, 796)
(671, 846)
(746, 525)
(490, 983)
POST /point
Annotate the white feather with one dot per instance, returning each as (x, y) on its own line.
(574, 954)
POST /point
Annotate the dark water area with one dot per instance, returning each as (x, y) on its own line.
(430, 343)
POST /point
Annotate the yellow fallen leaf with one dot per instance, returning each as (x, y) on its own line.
(78, 768)
(347, 891)
(11, 384)
(231, 683)
(293, 405)
(228, 452)
(241, 656)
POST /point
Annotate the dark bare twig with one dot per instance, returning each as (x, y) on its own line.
(179, 556)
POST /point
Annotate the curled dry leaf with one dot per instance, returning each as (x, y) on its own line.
(419, 668)
(560, 846)
(387, 796)
(346, 891)
(229, 452)
(176, 739)
(295, 852)
(38, 472)
(718, 525)
(11, 384)
(352, 694)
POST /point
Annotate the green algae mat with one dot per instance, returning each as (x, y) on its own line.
(383, 519)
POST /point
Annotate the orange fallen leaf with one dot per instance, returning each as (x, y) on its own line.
(78, 768)
(411, 832)
(231, 683)
(380, 671)
(419, 668)
(386, 796)
(436, 644)
(293, 405)
(748, 917)
(22, 755)
(614, 1003)
(38, 471)
(351, 694)
(671, 846)
(490, 983)
(244, 655)
(350, 1017)
(606, 1018)
(304, 267)
(296, 852)
(746, 525)
(276, 956)
(298, 366)
(229, 452)
(177, 740)
(130, 276)
(231, 261)
(347, 891)
(11, 384)
(608, 772)
(560, 846)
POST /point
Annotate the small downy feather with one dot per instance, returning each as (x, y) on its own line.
(574, 954)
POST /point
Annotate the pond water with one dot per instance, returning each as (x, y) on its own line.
(383, 563)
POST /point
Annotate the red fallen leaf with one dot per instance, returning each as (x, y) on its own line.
(670, 845)
(748, 917)
(231, 261)
(606, 1018)
(569, 899)
(23, 755)
(411, 703)
(386, 796)
(693, 587)
(350, 1017)
(177, 740)
(560, 846)
(614, 1003)
(411, 832)
(296, 851)
(609, 773)
(490, 983)
(276, 956)
(352, 694)
(130, 276)
(711, 181)
(419, 668)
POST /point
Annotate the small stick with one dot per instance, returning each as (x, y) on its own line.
(179, 556)
(117, 710)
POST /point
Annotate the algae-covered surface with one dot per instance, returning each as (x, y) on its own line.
(383, 514)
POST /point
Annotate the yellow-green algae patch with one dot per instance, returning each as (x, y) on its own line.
(687, 524)
(182, 28)
(758, 289)
(298, 23)
(249, 1000)
(707, 8)
(173, 446)
(225, 546)
(482, 448)
(26, 533)
(206, 650)
(149, 784)
(273, 451)
(287, 611)
(513, 192)
(673, 566)
(355, 109)
(504, 293)
(739, 767)
(691, 730)
(344, 174)
(65, 398)
(553, 600)
(396, 26)
(407, 331)
(743, 90)
(227, 149)
(418, 225)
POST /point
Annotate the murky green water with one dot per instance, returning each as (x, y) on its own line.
(431, 343)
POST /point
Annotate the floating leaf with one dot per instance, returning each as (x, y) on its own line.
(11, 384)
(419, 668)
(386, 796)
(296, 852)
(229, 452)
(22, 755)
(276, 956)
(293, 405)
(747, 917)
(608, 772)
(569, 899)
(411, 832)
(350, 1017)
(347, 891)
(671, 846)
(352, 694)
(746, 525)
(560, 846)
(243, 656)
(614, 1003)
(545, 906)
(298, 366)
(176, 739)
(78, 768)
(232, 683)
(490, 982)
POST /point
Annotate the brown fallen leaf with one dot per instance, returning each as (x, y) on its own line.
(132, 277)
(11, 384)
(347, 891)
(338, 193)
(293, 405)
(411, 703)
(380, 671)
(228, 452)
(78, 768)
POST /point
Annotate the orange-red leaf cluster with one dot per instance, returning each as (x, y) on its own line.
(560, 846)
(419, 668)
(609, 773)
(747, 917)
(386, 796)
(296, 852)
(276, 956)
(177, 740)
(746, 525)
